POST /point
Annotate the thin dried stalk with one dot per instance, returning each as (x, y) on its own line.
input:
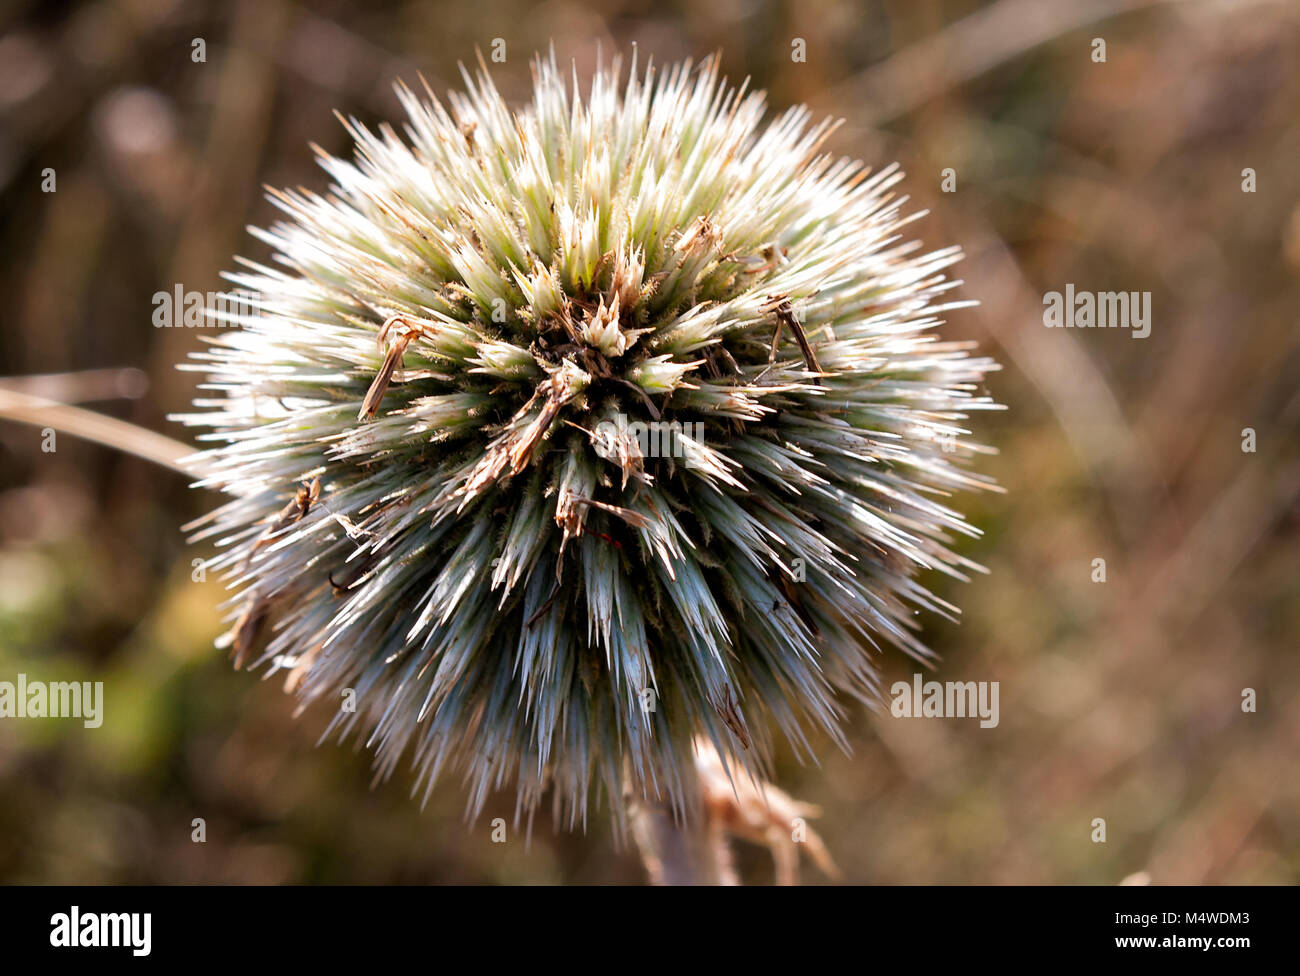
(677, 852)
(92, 426)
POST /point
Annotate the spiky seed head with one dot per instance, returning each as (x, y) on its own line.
(563, 437)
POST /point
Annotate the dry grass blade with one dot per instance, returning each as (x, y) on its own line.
(92, 426)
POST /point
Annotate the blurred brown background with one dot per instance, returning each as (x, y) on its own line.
(1119, 700)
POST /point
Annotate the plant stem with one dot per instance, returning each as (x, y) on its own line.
(141, 442)
(680, 850)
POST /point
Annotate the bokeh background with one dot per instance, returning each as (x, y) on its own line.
(1119, 700)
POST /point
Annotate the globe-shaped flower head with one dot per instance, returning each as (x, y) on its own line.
(562, 437)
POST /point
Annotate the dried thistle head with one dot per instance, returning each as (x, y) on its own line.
(562, 437)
